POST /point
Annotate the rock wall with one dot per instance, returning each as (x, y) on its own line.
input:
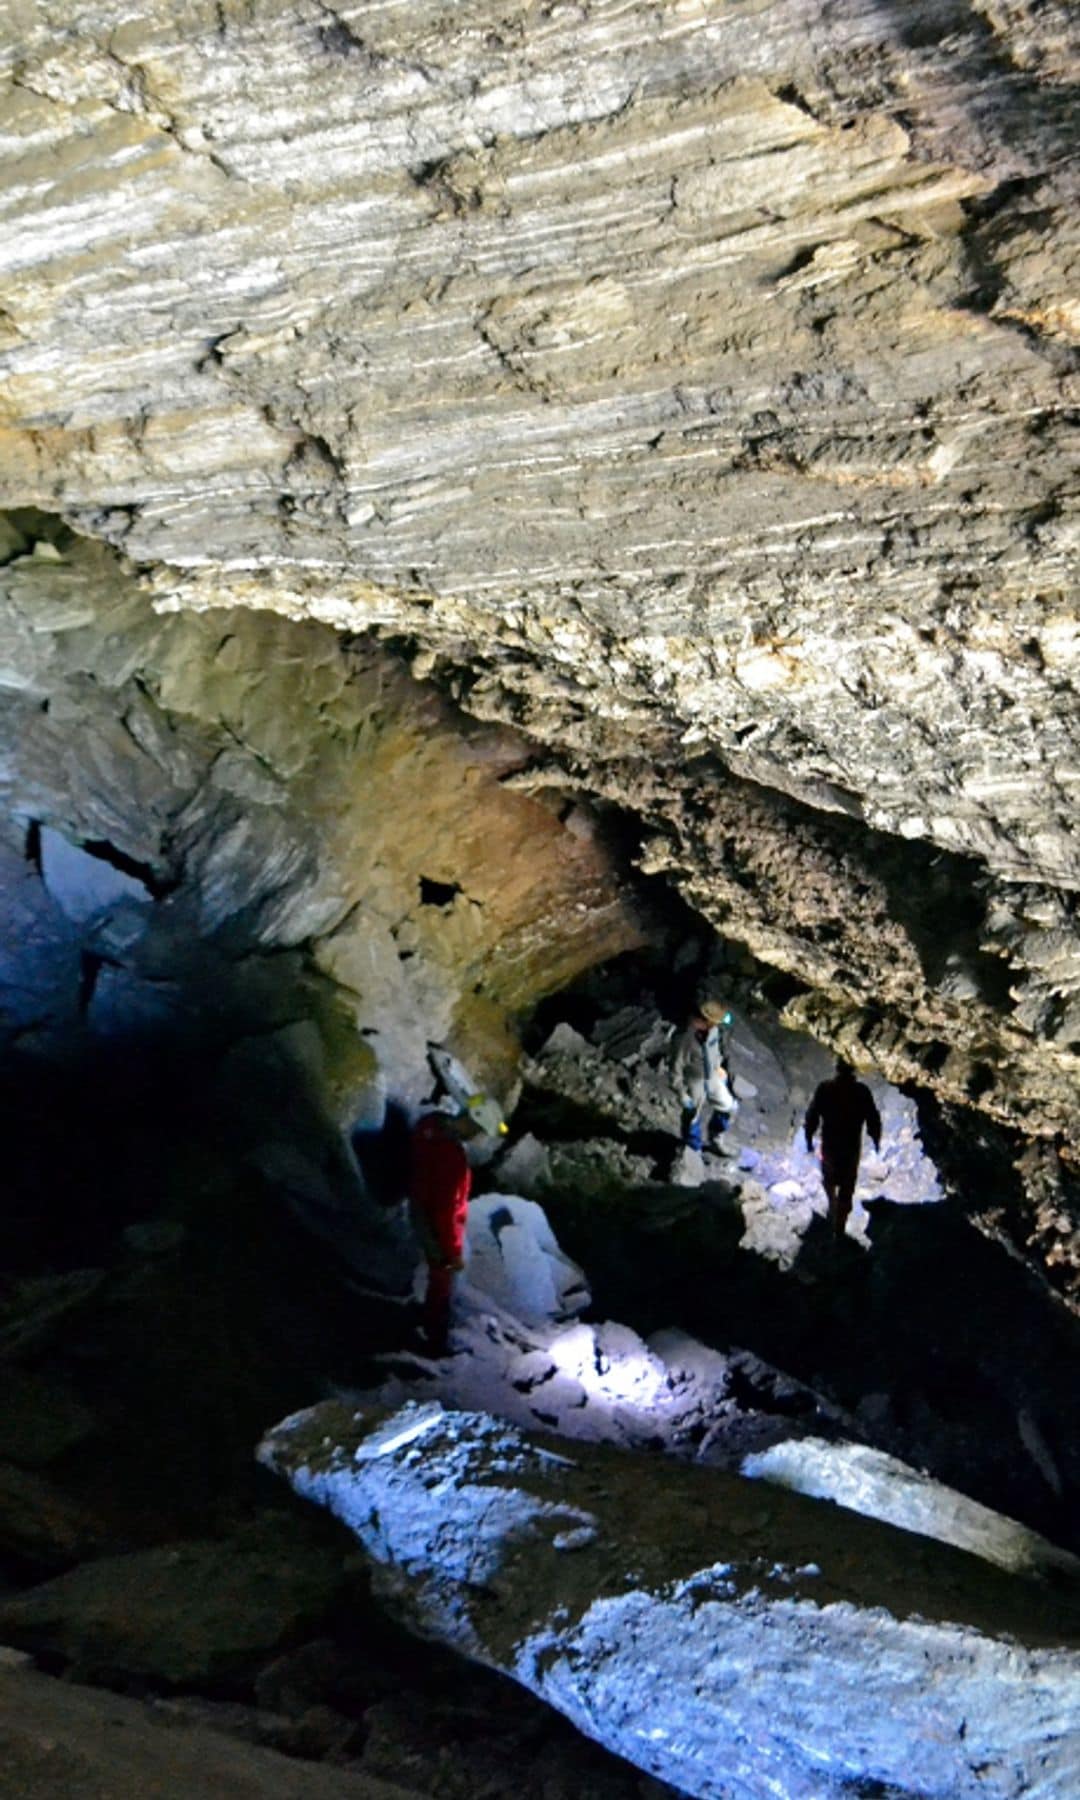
(693, 387)
(223, 824)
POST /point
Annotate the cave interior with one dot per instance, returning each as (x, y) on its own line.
(519, 522)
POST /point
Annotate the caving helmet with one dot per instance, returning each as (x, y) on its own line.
(487, 1114)
(462, 1098)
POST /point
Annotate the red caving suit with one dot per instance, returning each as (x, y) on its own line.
(439, 1184)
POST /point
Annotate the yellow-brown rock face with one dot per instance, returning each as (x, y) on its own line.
(267, 787)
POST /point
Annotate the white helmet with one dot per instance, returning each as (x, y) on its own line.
(462, 1097)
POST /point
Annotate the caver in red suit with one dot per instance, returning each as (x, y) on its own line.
(439, 1183)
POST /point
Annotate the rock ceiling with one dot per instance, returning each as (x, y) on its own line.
(692, 385)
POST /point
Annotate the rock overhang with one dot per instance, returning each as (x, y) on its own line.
(699, 399)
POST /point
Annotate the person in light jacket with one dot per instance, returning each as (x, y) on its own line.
(700, 1076)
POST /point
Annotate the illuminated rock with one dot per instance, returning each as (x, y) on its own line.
(602, 1383)
(867, 1481)
(515, 1260)
(728, 1639)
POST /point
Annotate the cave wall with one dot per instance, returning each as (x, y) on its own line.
(708, 366)
(691, 387)
(224, 823)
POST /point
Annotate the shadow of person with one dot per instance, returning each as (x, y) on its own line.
(823, 1257)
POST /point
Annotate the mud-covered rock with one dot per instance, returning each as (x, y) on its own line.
(718, 1634)
(186, 1614)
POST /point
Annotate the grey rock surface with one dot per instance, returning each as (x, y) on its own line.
(181, 1614)
(734, 1642)
(183, 794)
(693, 390)
(57, 1738)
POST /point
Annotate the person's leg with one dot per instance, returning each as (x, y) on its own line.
(829, 1183)
(839, 1185)
(437, 1307)
(693, 1119)
(718, 1124)
(845, 1196)
(843, 1181)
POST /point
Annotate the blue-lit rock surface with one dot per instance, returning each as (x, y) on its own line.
(515, 1260)
(737, 1642)
(603, 1384)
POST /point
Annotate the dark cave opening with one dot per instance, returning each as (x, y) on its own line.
(438, 893)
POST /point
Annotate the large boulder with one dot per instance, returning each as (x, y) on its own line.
(181, 1614)
(56, 1738)
(733, 1641)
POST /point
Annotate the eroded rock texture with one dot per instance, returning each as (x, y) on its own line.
(693, 386)
(737, 1642)
(190, 797)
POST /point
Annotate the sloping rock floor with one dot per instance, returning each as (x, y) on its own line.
(185, 1310)
(161, 1308)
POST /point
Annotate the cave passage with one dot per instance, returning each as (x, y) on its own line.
(935, 1344)
(223, 962)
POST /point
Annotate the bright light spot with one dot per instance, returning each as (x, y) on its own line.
(878, 1486)
(401, 1430)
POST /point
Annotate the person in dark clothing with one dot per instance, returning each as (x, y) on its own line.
(841, 1107)
(440, 1181)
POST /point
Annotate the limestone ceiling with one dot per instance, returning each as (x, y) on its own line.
(695, 382)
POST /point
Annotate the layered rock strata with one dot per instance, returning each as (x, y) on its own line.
(695, 387)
